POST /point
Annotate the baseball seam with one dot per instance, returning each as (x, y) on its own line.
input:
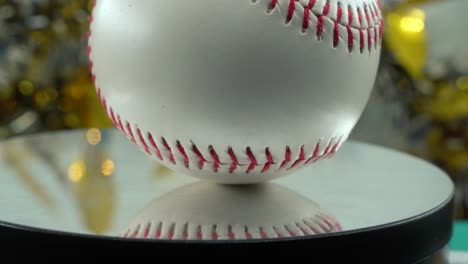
(320, 224)
(367, 18)
(165, 151)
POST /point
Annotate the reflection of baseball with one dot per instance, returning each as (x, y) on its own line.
(199, 212)
(235, 91)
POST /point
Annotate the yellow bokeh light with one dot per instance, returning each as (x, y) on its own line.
(42, 98)
(93, 136)
(412, 24)
(26, 87)
(462, 83)
(76, 171)
(107, 168)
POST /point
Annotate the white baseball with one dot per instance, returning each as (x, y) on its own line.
(198, 212)
(236, 91)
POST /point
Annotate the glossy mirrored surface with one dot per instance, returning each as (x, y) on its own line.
(95, 181)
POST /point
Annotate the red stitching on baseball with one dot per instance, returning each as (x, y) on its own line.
(142, 141)
(320, 23)
(247, 233)
(376, 12)
(299, 159)
(158, 233)
(315, 154)
(336, 33)
(348, 28)
(253, 160)
(201, 159)
(88, 50)
(304, 232)
(170, 234)
(312, 228)
(369, 36)
(278, 234)
(311, 4)
(328, 222)
(234, 160)
(146, 232)
(366, 14)
(120, 126)
(336, 223)
(359, 17)
(327, 149)
(104, 103)
(155, 146)
(112, 116)
(182, 152)
(323, 227)
(215, 157)
(287, 158)
(361, 40)
(269, 160)
(169, 150)
(199, 233)
(316, 225)
(291, 10)
(231, 234)
(272, 6)
(371, 10)
(361, 31)
(308, 10)
(291, 233)
(130, 132)
(185, 232)
(306, 20)
(135, 233)
(334, 149)
(214, 234)
(338, 226)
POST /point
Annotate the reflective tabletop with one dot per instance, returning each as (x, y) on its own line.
(95, 181)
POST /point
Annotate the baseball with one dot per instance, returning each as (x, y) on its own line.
(198, 212)
(237, 91)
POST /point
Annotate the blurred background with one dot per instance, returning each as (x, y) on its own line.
(419, 104)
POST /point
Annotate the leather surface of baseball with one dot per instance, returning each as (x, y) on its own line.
(235, 91)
